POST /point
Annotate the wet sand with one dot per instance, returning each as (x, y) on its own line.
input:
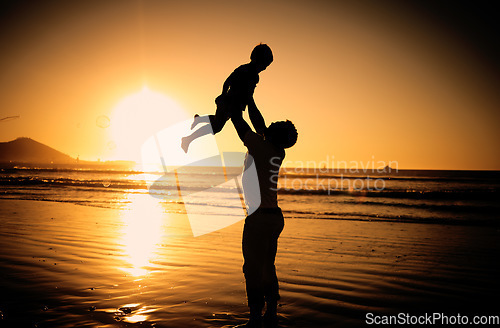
(64, 265)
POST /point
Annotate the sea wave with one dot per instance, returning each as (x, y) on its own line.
(170, 183)
(358, 216)
(479, 194)
(452, 198)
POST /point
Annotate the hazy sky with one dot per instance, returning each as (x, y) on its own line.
(362, 80)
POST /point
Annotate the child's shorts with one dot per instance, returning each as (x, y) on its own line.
(225, 108)
(227, 105)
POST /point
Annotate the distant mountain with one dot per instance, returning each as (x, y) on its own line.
(26, 150)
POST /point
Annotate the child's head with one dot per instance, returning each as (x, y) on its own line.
(262, 56)
(282, 134)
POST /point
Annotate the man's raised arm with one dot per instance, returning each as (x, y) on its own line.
(240, 125)
(256, 117)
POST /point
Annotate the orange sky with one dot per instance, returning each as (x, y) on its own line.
(367, 82)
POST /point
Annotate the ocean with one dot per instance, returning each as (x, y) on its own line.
(100, 247)
(420, 196)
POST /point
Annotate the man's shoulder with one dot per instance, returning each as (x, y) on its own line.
(256, 143)
(252, 137)
(253, 141)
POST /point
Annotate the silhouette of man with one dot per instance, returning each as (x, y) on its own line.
(263, 225)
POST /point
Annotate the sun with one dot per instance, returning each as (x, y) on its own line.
(139, 116)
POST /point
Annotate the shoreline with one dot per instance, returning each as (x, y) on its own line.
(65, 265)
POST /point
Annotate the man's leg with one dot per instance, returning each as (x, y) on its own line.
(271, 286)
(253, 251)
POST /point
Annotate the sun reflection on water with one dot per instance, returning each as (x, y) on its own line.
(143, 221)
(136, 318)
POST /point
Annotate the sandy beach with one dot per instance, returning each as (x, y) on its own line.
(136, 136)
(65, 265)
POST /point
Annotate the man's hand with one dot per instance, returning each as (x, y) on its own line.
(256, 117)
(240, 125)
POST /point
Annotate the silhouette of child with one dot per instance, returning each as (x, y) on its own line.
(237, 93)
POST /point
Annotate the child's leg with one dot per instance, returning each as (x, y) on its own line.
(200, 119)
(204, 130)
(216, 124)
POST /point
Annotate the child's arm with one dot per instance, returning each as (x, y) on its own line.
(256, 117)
(225, 89)
(226, 85)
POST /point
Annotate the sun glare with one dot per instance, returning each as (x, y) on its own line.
(142, 232)
(139, 116)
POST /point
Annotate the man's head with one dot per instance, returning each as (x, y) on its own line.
(282, 134)
(262, 56)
